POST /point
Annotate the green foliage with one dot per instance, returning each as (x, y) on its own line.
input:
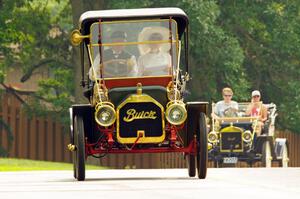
(269, 33)
(2, 75)
(216, 56)
(57, 93)
(246, 45)
(35, 34)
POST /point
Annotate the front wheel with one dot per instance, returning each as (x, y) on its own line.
(202, 153)
(79, 153)
(191, 165)
(191, 128)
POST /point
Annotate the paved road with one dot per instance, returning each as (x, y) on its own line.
(252, 183)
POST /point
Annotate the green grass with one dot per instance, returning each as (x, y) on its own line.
(11, 164)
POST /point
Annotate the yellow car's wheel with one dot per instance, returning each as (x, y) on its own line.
(266, 155)
(284, 162)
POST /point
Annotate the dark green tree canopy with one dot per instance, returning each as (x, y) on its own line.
(242, 44)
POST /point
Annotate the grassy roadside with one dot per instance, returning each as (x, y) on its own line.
(11, 164)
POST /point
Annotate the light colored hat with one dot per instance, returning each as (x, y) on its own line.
(255, 93)
(148, 32)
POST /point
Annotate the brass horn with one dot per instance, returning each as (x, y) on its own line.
(76, 37)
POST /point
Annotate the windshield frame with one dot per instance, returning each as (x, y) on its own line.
(241, 117)
(174, 42)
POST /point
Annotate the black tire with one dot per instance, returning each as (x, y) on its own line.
(202, 154)
(191, 128)
(79, 153)
(266, 155)
(73, 152)
(74, 164)
(191, 165)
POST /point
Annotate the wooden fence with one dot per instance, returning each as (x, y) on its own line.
(33, 138)
(46, 139)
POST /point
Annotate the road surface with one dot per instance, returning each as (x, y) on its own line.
(252, 183)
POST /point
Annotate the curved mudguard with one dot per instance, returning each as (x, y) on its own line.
(279, 143)
(193, 111)
(197, 107)
(260, 141)
(87, 113)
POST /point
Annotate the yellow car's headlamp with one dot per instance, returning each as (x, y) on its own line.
(247, 136)
(212, 137)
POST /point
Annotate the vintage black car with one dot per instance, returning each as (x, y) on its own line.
(135, 85)
(234, 138)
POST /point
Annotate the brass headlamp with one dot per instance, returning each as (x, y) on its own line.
(247, 136)
(212, 137)
(176, 113)
(105, 114)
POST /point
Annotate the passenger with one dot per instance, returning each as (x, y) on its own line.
(226, 107)
(116, 60)
(257, 109)
(155, 61)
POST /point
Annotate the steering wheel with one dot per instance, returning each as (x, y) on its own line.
(230, 112)
(116, 68)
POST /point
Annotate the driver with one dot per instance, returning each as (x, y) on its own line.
(226, 107)
(116, 60)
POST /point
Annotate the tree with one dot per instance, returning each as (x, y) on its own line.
(36, 35)
(250, 44)
(79, 7)
(268, 32)
(216, 56)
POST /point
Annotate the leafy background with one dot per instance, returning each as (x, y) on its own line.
(243, 44)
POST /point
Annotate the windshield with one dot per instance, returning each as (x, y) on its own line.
(236, 110)
(134, 48)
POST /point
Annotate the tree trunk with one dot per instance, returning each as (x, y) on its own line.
(79, 7)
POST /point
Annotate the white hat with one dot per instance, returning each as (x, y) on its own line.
(145, 34)
(255, 93)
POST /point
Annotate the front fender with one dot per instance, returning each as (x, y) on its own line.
(71, 125)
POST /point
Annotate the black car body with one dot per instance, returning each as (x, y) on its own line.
(130, 109)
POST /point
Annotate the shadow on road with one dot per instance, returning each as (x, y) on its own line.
(132, 179)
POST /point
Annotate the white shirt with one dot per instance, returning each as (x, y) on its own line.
(154, 64)
(221, 106)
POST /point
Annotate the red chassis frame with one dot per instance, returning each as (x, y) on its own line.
(106, 145)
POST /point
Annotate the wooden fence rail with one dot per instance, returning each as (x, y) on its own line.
(46, 139)
(33, 138)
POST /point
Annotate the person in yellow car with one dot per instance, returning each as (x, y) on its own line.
(257, 109)
(226, 107)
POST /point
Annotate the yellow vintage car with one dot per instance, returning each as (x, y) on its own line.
(135, 85)
(234, 138)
